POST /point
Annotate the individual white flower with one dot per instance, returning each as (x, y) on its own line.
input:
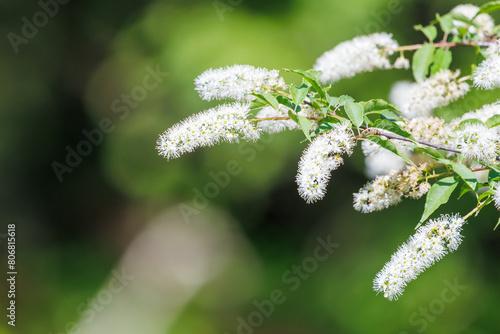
(320, 158)
(483, 114)
(477, 141)
(487, 74)
(361, 54)
(402, 63)
(224, 123)
(437, 91)
(484, 22)
(428, 245)
(237, 82)
(496, 196)
(387, 190)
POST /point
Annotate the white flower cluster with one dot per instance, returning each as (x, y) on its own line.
(430, 129)
(483, 23)
(437, 91)
(361, 54)
(320, 158)
(226, 122)
(382, 163)
(496, 196)
(487, 74)
(427, 246)
(477, 141)
(237, 82)
(387, 190)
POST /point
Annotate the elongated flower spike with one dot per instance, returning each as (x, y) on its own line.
(427, 246)
(361, 54)
(320, 158)
(224, 123)
(237, 82)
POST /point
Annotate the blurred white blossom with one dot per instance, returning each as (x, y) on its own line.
(361, 54)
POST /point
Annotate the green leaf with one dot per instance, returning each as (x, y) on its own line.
(377, 105)
(293, 116)
(445, 22)
(464, 190)
(493, 121)
(333, 100)
(429, 31)
(312, 77)
(388, 145)
(493, 174)
(305, 125)
(486, 194)
(465, 173)
(439, 194)
(343, 99)
(433, 153)
(354, 112)
(269, 99)
(286, 101)
(392, 127)
(422, 59)
(298, 94)
(442, 60)
(392, 115)
(470, 121)
(488, 8)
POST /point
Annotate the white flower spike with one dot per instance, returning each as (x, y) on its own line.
(427, 246)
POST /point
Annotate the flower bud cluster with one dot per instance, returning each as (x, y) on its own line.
(387, 190)
(483, 24)
(433, 130)
(427, 246)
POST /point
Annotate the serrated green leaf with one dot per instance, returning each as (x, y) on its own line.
(333, 101)
(442, 60)
(488, 8)
(493, 174)
(312, 77)
(343, 99)
(433, 153)
(305, 125)
(392, 127)
(464, 190)
(470, 121)
(445, 22)
(429, 31)
(439, 194)
(355, 112)
(293, 116)
(493, 121)
(298, 94)
(392, 115)
(388, 145)
(465, 173)
(270, 99)
(486, 194)
(377, 105)
(422, 59)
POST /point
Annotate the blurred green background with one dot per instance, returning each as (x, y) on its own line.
(117, 212)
